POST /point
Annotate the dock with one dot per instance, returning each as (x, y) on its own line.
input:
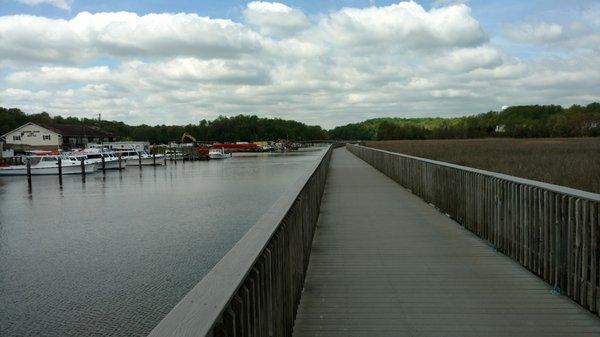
(370, 243)
(385, 263)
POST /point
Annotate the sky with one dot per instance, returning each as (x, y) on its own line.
(320, 62)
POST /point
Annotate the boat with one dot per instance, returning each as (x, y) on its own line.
(174, 155)
(218, 153)
(134, 157)
(48, 165)
(111, 161)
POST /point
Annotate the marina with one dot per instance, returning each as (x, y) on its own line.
(113, 255)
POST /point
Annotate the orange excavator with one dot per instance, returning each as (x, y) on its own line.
(201, 149)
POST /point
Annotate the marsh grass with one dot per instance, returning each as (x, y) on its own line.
(572, 162)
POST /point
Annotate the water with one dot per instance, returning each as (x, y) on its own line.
(112, 256)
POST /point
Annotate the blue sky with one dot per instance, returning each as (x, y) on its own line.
(490, 12)
(285, 59)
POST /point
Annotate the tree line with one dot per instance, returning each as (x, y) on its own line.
(222, 129)
(517, 121)
(526, 121)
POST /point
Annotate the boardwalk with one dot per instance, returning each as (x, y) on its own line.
(384, 263)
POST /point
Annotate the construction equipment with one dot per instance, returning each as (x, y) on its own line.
(190, 137)
(201, 149)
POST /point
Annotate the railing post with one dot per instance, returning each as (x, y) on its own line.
(82, 164)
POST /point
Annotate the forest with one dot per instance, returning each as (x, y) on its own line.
(527, 121)
(222, 129)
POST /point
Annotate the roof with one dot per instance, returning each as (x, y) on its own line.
(20, 127)
(70, 130)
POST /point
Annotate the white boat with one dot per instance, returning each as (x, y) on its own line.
(111, 161)
(218, 154)
(174, 155)
(48, 165)
(133, 158)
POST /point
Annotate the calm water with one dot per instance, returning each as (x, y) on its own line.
(114, 255)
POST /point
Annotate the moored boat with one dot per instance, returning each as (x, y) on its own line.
(111, 161)
(48, 165)
(218, 153)
(135, 157)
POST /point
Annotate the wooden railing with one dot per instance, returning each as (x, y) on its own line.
(551, 230)
(255, 289)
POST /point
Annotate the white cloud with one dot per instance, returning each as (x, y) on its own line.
(535, 33)
(402, 26)
(60, 4)
(59, 75)
(329, 69)
(467, 59)
(86, 36)
(275, 19)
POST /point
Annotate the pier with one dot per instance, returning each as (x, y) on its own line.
(412, 248)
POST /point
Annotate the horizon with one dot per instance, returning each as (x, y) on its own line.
(327, 64)
(479, 114)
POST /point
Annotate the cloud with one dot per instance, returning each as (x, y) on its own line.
(25, 38)
(329, 69)
(575, 34)
(535, 33)
(59, 75)
(275, 19)
(60, 4)
(467, 59)
(402, 26)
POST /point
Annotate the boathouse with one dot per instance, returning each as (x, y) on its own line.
(32, 136)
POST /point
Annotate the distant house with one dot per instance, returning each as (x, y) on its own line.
(32, 136)
(500, 128)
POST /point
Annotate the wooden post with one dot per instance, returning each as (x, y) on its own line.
(120, 161)
(154, 159)
(59, 170)
(103, 165)
(82, 169)
(139, 160)
(29, 171)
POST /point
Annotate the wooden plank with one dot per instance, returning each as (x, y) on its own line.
(570, 245)
(594, 263)
(577, 251)
(584, 242)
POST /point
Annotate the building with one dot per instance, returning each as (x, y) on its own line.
(32, 136)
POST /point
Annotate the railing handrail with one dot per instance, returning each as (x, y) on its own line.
(547, 186)
(202, 306)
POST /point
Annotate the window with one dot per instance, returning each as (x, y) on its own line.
(16, 137)
(46, 137)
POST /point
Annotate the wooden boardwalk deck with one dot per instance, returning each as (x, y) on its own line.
(384, 263)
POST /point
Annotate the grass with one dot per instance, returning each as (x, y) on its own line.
(571, 162)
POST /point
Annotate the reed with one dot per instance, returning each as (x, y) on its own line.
(571, 162)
